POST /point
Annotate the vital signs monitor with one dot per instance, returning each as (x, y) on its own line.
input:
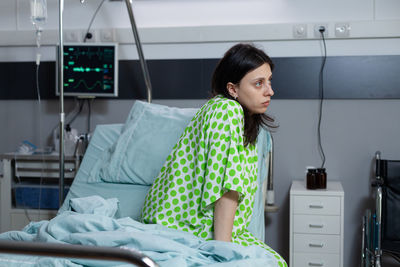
(90, 70)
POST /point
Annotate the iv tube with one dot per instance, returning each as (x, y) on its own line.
(38, 18)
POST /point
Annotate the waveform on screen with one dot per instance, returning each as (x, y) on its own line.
(83, 83)
(87, 69)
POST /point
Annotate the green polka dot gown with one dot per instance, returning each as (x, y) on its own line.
(208, 160)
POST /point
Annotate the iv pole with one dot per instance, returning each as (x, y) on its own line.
(143, 65)
(61, 89)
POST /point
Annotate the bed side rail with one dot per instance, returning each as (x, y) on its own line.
(76, 251)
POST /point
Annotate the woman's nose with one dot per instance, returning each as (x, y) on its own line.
(269, 91)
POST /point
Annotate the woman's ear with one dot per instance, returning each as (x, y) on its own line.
(232, 90)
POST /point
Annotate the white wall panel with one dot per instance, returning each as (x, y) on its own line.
(7, 15)
(387, 9)
(225, 12)
(201, 13)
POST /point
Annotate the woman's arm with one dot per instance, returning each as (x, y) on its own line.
(224, 214)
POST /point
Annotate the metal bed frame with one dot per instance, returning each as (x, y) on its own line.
(76, 251)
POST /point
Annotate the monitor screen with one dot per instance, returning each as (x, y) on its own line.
(90, 70)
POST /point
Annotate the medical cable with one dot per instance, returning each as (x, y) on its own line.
(40, 138)
(91, 21)
(40, 130)
(20, 182)
(321, 89)
(89, 115)
(80, 107)
(38, 19)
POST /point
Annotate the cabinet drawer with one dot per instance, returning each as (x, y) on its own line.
(316, 224)
(316, 260)
(323, 205)
(49, 169)
(316, 243)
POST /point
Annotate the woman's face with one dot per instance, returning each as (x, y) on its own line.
(254, 91)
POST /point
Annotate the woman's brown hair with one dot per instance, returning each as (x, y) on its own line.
(236, 63)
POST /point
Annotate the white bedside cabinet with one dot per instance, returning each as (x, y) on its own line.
(316, 225)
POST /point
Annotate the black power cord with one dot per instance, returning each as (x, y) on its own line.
(80, 106)
(89, 115)
(321, 89)
(88, 35)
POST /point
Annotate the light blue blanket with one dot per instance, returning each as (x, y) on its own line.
(94, 225)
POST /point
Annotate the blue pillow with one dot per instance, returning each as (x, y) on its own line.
(146, 140)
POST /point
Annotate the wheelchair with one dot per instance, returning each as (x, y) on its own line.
(381, 227)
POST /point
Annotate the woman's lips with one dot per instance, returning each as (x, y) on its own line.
(265, 104)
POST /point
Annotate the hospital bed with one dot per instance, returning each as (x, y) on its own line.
(102, 208)
(381, 226)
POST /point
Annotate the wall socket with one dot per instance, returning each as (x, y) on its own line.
(317, 33)
(300, 31)
(72, 36)
(342, 30)
(107, 35)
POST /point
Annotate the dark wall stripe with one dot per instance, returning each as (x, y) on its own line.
(350, 77)
(18, 80)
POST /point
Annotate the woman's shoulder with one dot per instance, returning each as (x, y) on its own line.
(222, 104)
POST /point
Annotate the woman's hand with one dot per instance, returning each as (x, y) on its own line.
(224, 214)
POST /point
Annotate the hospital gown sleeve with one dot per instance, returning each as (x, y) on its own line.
(224, 157)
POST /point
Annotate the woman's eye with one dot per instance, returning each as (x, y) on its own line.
(258, 84)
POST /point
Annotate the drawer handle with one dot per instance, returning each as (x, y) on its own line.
(312, 206)
(313, 245)
(316, 225)
(315, 264)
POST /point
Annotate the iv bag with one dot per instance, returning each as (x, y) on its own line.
(38, 13)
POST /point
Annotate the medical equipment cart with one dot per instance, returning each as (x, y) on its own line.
(29, 188)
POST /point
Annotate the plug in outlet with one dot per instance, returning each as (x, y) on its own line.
(317, 27)
(300, 31)
(92, 36)
(107, 35)
(342, 30)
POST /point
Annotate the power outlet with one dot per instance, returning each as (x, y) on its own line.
(342, 30)
(72, 36)
(317, 27)
(107, 35)
(300, 31)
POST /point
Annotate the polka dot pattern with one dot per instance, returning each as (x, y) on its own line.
(247, 239)
(208, 160)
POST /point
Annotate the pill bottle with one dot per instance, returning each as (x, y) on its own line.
(312, 179)
(321, 178)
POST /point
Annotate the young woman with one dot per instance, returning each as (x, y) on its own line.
(207, 185)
